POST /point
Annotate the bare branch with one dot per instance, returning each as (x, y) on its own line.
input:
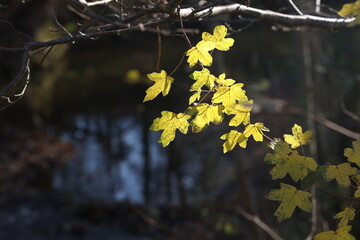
(295, 7)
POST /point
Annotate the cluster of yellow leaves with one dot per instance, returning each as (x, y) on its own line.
(200, 53)
(351, 10)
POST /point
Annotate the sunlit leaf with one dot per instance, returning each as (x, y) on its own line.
(218, 38)
(288, 161)
(340, 234)
(202, 78)
(353, 155)
(195, 97)
(222, 80)
(341, 173)
(351, 10)
(255, 130)
(200, 53)
(229, 96)
(290, 198)
(206, 114)
(242, 113)
(298, 138)
(170, 122)
(233, 138)
(162, 85)
(345, 216)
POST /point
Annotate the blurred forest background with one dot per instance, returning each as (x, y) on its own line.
(77, 160)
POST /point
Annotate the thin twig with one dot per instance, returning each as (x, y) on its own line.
(255, 219)
(59, 24)
(295, 7)
(346, 111)
(159, 49)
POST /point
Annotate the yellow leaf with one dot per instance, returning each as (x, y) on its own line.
(200, 53)
(340, 234)
(225, 82)
(170, 122)
(232, 139)
(357, 193)
(289, 161)
(298, 138)
(242, 113)
(162, 84)
(290, 198)
(351, 10)
(202, 78)
(206, 114)
(347, 215)
(229, 96)
(218, 38)
(256, 131)
(341, 173)
(195, 97)
(353, 155)
(356, 179)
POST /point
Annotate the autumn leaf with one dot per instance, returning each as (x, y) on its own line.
(290, 198)
(242, 113)
(228, 96)
(232, 139)
(341, 173)
(255, 130)
(170, 122)
(200, 53)
(222, 80)
(202, 78)
(289, 161)
(218, 38)
(162, 84)
(340, 234)
(195, 97)
(353, 155)
(356, 179)
(206, 114)
(351, 10)
(298, 138)
(345, 216)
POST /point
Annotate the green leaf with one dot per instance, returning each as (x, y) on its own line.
(298, 138)
(290, 198)
(218, 38)
(345, 216)
(202, 78)
(255, 130)
(340, 234)
(170, 122)
(351, 10)
(162, 84)
(353, 155)
(289, 161)
(232, 139)
(341, 173)
(206, 114)
(200, 53)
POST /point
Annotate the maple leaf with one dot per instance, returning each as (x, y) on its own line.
(203, 77)
(162, 84)
(351, 10)
(289, 161)
(170, 122)
(221, 80)
(195, 97)
(353, 155)
(340, 234)
(232, 139)
(356, 179)
(345, 216)
(290, 198)
(357, 193)
(218, 38)
(298, 138)
(205, 114)
(341, 173)
(242, 113)
(200, 53)
(228, 96)
(255, 130)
